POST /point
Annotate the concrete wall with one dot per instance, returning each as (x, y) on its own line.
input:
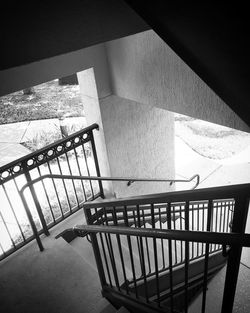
(35, 73)
(91, 86)
(144, 69)
(140, 144)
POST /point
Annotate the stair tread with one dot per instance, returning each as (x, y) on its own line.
(84, 248)
(81, 276)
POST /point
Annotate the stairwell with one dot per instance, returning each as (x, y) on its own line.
(84, 248)
(146, 262)
(57, 280)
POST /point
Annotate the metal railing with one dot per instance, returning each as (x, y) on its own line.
(74, 162)
(155, 252)
(30, 184)
(48, 202)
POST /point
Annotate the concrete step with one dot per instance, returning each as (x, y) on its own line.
(84, 249)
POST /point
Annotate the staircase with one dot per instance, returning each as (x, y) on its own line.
(158, 253)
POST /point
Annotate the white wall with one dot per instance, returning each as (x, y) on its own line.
(89, 87)
(140, 144)
(144, 69)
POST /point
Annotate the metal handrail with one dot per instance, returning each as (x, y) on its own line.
(242, 240)
(78, 177)
(104, 178)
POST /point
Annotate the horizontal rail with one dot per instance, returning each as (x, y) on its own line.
(213, 193)
(242, 240)
(103, 178)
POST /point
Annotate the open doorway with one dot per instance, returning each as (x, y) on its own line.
(39, 115)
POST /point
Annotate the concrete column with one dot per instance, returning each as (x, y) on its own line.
(90, 100)
(140, 143)
(135, 140)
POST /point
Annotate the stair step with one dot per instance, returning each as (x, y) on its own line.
(84, 248)
(196, 268)
(80, 275)
(214, 296)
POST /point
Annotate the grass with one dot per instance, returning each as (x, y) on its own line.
(49, 100)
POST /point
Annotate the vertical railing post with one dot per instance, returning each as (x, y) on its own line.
(96, 163)
(233, 264)
(186, 255)
(205, 276)
(32, 223)
(96, 249)
(36, 201)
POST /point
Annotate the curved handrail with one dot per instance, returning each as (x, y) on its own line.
(103, 178)
(242, 240)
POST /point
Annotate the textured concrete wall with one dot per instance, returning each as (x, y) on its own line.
(89, 83)
(140, 143)
(146, 70)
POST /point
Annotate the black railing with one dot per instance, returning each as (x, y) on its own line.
(49, 202)
(157, 252)
(76, 178)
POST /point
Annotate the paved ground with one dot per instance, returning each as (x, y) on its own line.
(12, 135)
(235, 170)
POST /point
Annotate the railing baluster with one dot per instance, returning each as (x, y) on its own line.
(175, 244)
(97, 253)
(155, 258)
(111, 253)
(106, 260)
(64, 185)
(224, 217)
(36, 201)
(203, 223)
(98, 173)
(3, 252)
(87, 168)
(198, 228)
(32, 223)
(227, 222)
(143, 268)
(56, 192)
(80, 172)
(209, 217)
(162, 245)
(186, 255)
(192, 210)
(120, 251)
(216, 224)
(46, 195)
(211, 220)
(13, 211)
(138, 242)
(7, 229)
(170, 258)
(130, 252)
(73, 183)
(146, 240)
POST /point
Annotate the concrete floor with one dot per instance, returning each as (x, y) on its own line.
(56, 280)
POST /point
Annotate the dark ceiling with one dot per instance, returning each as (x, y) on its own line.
(31, 31)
